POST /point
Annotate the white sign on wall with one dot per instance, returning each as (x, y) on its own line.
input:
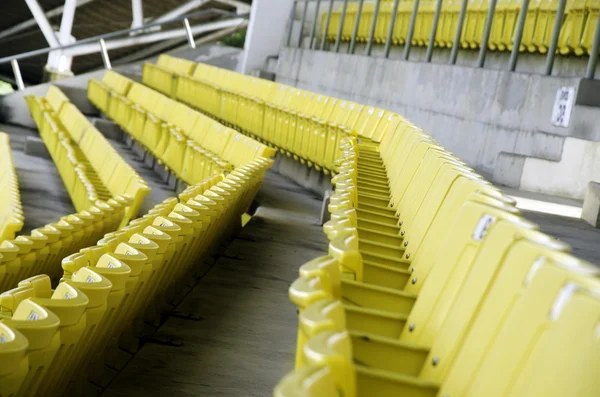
(563, 104)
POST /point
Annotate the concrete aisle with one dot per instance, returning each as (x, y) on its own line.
(243, 342)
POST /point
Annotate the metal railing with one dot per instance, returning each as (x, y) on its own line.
(100, 40)
(483, 48)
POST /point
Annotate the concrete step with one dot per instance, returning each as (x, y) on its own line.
(567, 176)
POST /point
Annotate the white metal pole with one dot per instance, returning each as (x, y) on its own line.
(42, 21)
(17, 72)
(104, 53)
(188, 31)
(137, 13)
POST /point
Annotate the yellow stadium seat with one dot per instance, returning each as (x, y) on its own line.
(40, 327)
(15, 364)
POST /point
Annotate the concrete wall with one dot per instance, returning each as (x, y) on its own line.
(568, 177)
(476, 113)
(266, 30)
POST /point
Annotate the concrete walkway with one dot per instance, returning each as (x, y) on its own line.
(560, 217)
(242, 341)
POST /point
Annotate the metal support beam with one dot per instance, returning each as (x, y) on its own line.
(188, 31)
(436, 21)
(42, 21)
(458, 34)
(57, 61)
(181, 10)
(338, 39)
(327, 21)
(314, 28)
(169, 44)
(104, 53)
(514, 54)
(31, 22)
(302, 21)
(137, 13)
(411, 30)
(17, 72)
(486, 33)
(560, 14)
(234, 3)
(373, 26)
(388, 41)
(85, 49)
(355, 28)
(66, 23)
(591, 66)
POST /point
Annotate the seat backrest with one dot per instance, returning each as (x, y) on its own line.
(471, 240)
(388, 124)
(435, 170)
(402, 173)
(539, 297)
(117, 82)
(217, 138)
(183, 117)
(74, 121)
(56, 98)
(423, 241)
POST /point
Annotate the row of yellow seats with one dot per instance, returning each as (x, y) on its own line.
(436, 286)
(58, 342)
(93, 160)
(11, 210)
(300, 123)
(190, 144)
(42, 250)
(576, 36)
(110, 96)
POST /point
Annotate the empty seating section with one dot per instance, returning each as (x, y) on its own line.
(70, 340)
(299, 123)
(190, 144)
(576, 33)
(88, 164)
(434, 284)
(11, 211)
(43, 248)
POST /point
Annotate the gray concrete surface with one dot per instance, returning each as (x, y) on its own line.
(36, 147)
(476, 113)
(591, 205)
(583, 238)
(508, 169)
(309, 178)
(244, 341)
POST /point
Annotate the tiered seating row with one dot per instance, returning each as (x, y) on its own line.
(42, 250)
(190, 144)
(88, 164)
(576, 34)
(70, 339)
(11, 211)
(300, 123)
(434, 284)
